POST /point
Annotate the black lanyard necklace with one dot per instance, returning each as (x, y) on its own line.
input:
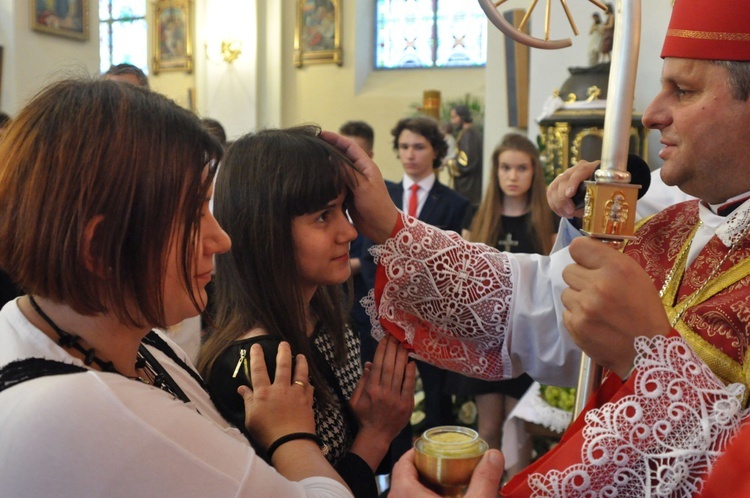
(155, 374)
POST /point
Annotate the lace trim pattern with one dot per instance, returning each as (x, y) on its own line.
(735, 227)
(551, 417)
(456, 294)
(660, 441)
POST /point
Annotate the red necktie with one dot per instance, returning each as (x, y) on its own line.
(413, 200)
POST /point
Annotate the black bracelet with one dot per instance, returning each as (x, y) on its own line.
(292, 437)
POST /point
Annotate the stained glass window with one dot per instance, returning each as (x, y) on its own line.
(123, 33)
(429, 33)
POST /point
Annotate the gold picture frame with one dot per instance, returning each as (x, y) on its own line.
(173, 48)
(317, 38)
(66, 19)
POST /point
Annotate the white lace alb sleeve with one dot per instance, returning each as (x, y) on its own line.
(472, 309)
(662, 440)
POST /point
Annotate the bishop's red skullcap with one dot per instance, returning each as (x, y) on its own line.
(709, 29)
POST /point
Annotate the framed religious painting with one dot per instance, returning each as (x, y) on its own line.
(172, 49)
(317, 38)
(69, 19)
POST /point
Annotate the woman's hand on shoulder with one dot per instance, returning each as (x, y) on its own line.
(383, 400)
(283, 407)
(275, 409)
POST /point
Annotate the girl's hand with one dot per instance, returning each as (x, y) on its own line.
(276, 409)
(383, 400)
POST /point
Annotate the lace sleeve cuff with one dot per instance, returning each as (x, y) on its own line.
(448, 299)
(659, 435)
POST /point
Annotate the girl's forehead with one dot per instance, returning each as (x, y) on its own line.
(514, 156)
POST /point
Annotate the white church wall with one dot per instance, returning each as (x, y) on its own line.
(32, 60)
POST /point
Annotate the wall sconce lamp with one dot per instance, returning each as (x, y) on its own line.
(230, 50)
(227, 50)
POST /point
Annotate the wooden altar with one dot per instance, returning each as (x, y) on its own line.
(569, 135)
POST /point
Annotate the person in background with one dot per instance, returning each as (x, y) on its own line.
(281, 195)
(466, 165)
(421, 148)
(216, 129)
(111, 246)
(127, 73)
(514, 216)
(664, 317)
(360, 133)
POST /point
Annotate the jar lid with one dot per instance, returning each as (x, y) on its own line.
(451, 441)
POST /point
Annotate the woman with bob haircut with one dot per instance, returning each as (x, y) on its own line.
(104, 222)
(281, 196)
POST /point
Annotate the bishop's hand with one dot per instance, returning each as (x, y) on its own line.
(610, 301)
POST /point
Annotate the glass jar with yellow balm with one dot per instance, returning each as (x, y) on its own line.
(446, 456)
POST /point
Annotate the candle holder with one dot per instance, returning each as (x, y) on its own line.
(446, 456)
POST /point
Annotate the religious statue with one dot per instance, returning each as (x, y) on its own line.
(616, 214)
(608, 32)
(595, 40)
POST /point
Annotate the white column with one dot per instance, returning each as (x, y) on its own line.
(227, 92)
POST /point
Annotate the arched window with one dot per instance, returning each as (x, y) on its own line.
(429, 33)
(123, 33)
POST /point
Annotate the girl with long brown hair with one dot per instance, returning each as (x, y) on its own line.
(281, 195)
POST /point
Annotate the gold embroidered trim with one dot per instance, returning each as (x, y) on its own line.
(721, 282)
(674, 276)
(708, 35)
(725, 368)
(641, 222)
(638, 225)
